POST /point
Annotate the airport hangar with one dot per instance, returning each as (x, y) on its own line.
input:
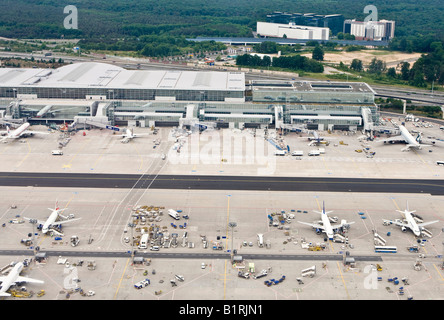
(101, 94)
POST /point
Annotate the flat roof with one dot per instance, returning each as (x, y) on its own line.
(311, 86)
(102, 75)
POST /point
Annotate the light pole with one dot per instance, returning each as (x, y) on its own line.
(33, 222)
(131, 226)
(232, 225)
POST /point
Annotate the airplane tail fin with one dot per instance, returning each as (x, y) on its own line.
(418, 137)
(323, 209)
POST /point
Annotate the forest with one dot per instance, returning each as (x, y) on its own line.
(293, 63)
(152, 45)
(123, 18)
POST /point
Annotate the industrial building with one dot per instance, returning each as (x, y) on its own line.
(382, 30)
(334, 22)
(102, 81)
(292, 31)
(97, 93)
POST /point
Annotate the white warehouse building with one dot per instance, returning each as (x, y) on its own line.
(292, 31)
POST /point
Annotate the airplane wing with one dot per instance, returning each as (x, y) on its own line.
(427, 223)
(394, 138)
(26, 279)
(62, 109)
(140, 134)
(336, 226)
(314, 225)
(38, 221)
(66, 221)
(398, 223)
(35, 132)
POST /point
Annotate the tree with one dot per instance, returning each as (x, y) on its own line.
(376, 66)
(418, 80)
(318, 53)
(356, 65)
(266, 47)
(391, 72)
(405, 71)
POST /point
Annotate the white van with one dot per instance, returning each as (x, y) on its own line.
(297, 153)
(280, 153)
(57, 152)
(314, 153)
(440, 163)
(143, 244)
(173, 214)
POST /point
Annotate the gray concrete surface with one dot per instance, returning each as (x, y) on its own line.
(106, 213)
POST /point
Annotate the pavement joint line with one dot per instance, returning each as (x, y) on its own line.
(343, 280)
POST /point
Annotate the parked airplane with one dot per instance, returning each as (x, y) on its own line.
(316, 139)
(53, 220)
(13, 278)
(406, 137)
(324, 225)
(409, 222)
(47, 109)
(129, 135)
(19, 132)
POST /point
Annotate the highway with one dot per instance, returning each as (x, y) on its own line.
(202, 182)
(435, 98)
(418, 95)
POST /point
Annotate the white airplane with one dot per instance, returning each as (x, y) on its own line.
(53, 220)
(20, 131)
(47, 109)
(406, 137)
(324, 225)
(13, 278)
(410, 222)
(129, 135)
(316, 139)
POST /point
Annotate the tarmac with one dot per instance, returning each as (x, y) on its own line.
(107, 212)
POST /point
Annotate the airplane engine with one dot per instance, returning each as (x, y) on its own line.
(318, 231)
(404, 229)
(345, 225)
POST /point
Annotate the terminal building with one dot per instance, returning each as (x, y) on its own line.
(98, 93)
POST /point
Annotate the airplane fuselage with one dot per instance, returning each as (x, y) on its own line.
(11, 277)
(19, 131)
(412, 224)
(43, 111)
(408, 137)
(327, 226)
(50, 221)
